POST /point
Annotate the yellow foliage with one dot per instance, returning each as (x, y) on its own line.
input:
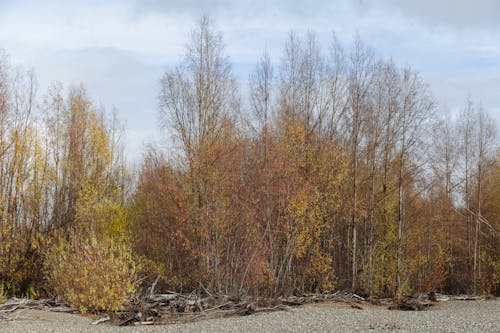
(92, 274)
(105, 216)
(490, 275)
(19, 261)
(307, 229)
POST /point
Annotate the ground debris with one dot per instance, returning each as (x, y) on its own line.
(12, 307)
(410, 304)
(422, 301)
(172, 307)
(200, 304)
(101, 319)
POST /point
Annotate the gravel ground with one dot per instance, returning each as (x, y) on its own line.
(454, 316)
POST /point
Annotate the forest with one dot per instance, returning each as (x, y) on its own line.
(337, 170)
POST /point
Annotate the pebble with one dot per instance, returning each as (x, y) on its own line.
(452, 316)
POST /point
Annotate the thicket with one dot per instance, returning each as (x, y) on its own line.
(339, 173)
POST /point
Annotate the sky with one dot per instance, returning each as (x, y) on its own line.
(120, 49)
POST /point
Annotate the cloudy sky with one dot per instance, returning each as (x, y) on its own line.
(119, 49)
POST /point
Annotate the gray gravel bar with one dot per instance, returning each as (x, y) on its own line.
(452, 316)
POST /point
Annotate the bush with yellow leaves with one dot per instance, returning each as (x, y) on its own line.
(90, 273)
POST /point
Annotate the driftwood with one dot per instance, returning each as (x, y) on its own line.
(12, 308)
(101, 319)
(469, 298)
(171, 307)
(423, 301)
(410, 304)
(174, 307)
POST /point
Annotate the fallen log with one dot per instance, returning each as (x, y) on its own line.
(468, 298)
(12, 308)
(100, 320)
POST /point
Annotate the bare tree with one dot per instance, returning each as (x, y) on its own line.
(444, 157)
(260, 83)
(416, 107)
(485, 150)
(360, 80)
(198, 101)
(466, 127)
(337, 69)
(199, 94)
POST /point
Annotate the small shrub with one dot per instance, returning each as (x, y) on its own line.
(91, 274)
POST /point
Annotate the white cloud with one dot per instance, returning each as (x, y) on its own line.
(119, 49)
(458, 14)
(71, 25)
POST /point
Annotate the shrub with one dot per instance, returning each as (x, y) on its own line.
(20, 264)
(90, 273)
